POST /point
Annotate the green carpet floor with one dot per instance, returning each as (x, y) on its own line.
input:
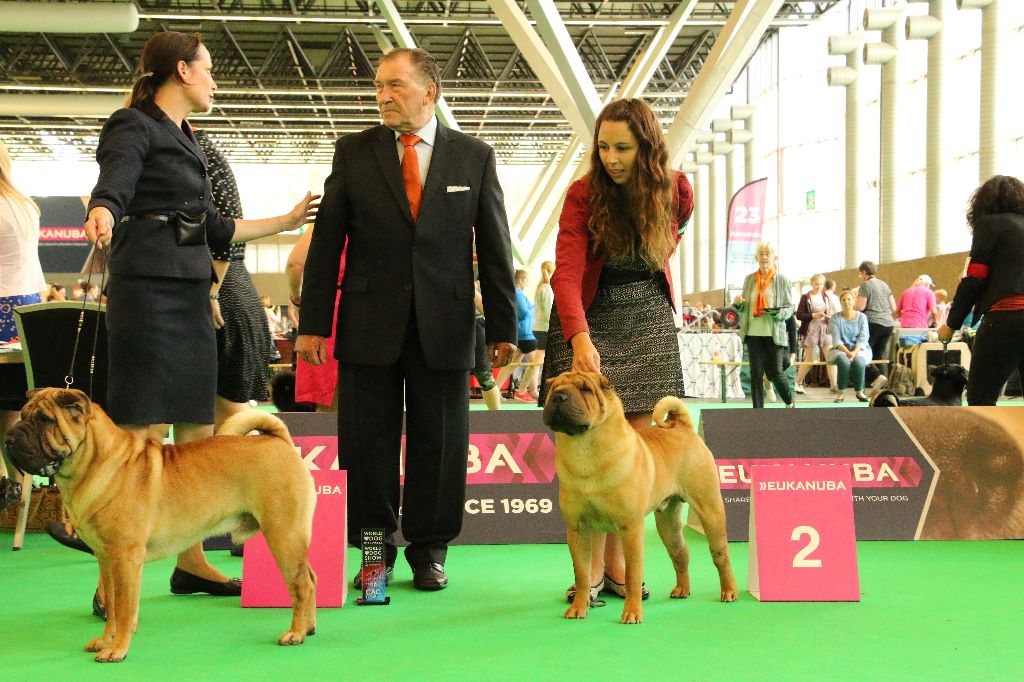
(929, 611)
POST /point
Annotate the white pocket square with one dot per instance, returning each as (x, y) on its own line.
(457, 188)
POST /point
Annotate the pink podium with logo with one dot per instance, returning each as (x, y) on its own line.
(802, 536)
(262, 584)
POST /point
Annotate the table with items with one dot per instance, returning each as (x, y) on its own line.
(705, 380)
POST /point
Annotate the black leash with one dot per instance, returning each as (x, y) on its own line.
(69, 380)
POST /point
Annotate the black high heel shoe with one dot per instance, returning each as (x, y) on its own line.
(57, 531)
(98, 608)
(183, 582)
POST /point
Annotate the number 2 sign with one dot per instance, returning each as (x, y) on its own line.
(802, 537)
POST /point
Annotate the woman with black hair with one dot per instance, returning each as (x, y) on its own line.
(994, 287)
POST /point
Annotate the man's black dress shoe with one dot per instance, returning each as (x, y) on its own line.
(183, 582)
(429, 577)
(59, 532)
(357, 582)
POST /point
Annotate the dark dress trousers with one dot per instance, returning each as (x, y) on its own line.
(162, 346)
(406, 324)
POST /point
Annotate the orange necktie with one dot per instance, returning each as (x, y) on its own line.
(411, 173)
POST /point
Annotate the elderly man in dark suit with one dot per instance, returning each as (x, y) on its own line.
(410, 198)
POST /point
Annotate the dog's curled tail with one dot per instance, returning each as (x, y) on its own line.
(885, 398)
(255, 420)
(670, 412)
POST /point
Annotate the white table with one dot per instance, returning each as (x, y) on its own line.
(705, 381)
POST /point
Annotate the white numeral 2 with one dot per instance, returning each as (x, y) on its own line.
(801, 560)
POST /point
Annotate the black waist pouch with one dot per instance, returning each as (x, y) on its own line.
(191, 229)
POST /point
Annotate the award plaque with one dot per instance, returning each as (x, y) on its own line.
(374, 569)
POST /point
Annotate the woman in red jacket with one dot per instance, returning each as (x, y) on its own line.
(613, 292)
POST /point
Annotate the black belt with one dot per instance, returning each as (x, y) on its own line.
(161, 217)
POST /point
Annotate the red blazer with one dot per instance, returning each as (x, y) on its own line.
(578, 270)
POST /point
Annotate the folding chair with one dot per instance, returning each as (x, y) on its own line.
(48, 333)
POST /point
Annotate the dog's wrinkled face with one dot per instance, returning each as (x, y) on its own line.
(577, 401)
(954, 376)
(52, 426)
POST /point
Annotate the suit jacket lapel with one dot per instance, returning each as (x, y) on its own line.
(158, 115)
(387, 156)
(184, 140)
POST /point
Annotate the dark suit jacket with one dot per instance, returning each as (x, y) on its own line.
(393, 263)
(150, 165)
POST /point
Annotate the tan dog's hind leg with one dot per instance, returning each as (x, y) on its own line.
(633, 549)
(104, 641)
(580, 549)
(711, 512)
(125, 571)
(292, 556)
(670, 529)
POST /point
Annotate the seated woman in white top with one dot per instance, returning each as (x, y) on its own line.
(851, 352)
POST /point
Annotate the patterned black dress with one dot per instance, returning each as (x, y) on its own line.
(243, 343)
(632, 328)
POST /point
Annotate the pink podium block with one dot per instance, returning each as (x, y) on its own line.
(802, 535)
(262, 584)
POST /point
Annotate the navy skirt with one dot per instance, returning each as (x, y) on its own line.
(162, 350)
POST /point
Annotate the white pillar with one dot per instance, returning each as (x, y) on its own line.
(992, 120)
(848, 76)
(701, 223)
(886, 53)
(745, 137)
(938, 208)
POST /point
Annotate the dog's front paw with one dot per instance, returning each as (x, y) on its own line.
(114, 654)
(98, 644)
(632, 616)
(576, 611)
(729, 594)
(291, 637)
(680, 592)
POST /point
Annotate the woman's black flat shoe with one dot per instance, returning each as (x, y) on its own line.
(57, 531)
(98, 609)
(183, 582)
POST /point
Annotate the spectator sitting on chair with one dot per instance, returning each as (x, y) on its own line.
(21, 276)
(852, 352)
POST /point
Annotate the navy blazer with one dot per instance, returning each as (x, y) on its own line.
(150, 165)
(394, 263)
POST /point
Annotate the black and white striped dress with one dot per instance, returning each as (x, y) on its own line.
(632, 328)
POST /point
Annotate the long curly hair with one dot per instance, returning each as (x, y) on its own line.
(998, 194)
(633, 219)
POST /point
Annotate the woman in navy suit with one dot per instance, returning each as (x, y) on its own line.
(148, 205)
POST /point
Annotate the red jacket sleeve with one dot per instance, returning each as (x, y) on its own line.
(571, 258)
(683, 202)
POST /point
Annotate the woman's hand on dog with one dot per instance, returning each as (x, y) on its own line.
(585, 357)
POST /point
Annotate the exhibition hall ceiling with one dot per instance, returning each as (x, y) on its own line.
(293, 75)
